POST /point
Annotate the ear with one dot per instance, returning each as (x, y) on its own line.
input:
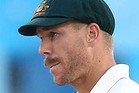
(93, 32)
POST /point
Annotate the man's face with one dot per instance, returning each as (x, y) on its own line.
(65, 49)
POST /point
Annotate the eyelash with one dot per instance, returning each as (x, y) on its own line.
(52, 35)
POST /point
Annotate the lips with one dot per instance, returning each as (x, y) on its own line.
(52, 65)
(49, 62)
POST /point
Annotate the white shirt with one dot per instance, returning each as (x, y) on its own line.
(116, 80)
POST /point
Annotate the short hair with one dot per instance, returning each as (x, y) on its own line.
(108, 41)
(77, 24)
(107, 38)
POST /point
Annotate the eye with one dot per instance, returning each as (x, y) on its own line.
(53, 35)
(50, 35)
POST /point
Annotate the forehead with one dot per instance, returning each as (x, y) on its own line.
(64, 26)
(52, 27)
(43, 28)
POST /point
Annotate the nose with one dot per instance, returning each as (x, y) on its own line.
(45, 48)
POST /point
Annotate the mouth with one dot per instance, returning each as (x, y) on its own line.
(50, 62)
(52, 65)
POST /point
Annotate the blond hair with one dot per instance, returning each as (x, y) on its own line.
(108, 41)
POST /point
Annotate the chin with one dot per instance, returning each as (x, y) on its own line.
(61, 82)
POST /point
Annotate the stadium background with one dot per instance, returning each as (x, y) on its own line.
(21, 69)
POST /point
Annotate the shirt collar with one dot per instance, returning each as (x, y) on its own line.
(114, 74)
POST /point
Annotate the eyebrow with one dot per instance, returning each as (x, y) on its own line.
(42, 28)
(47, 29)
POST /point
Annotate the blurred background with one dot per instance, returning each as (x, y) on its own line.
(21, 66)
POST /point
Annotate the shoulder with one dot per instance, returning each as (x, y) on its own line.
(125, 85)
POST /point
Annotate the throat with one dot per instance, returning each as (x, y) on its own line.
(84, 84)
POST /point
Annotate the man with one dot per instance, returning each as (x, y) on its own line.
(76, 40)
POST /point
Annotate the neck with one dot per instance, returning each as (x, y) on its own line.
(98, 67)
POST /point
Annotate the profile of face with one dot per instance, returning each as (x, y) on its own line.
(65, 50)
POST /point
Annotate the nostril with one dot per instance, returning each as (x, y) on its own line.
(46, 53)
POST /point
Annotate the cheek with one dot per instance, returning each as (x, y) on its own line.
(73, 51)
(76, 59)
